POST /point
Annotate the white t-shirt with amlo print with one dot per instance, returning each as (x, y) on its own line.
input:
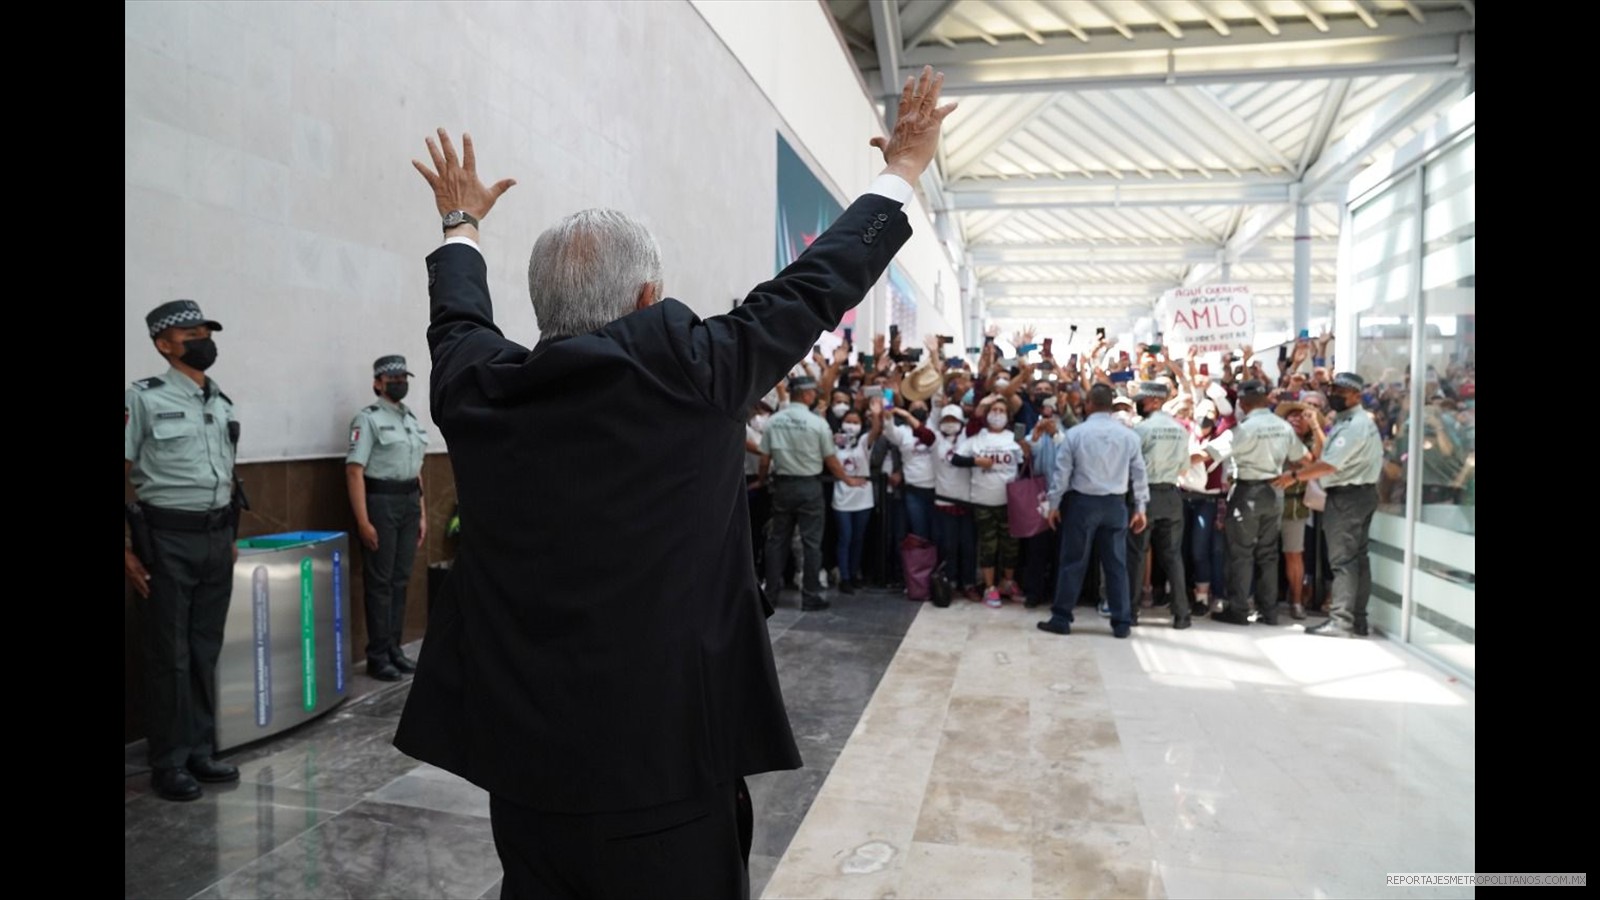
(857, 462)
(989, 485)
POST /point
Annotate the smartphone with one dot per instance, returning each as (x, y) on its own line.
(888, 398)
(974, 350)
(894, 330)
(914, 355)
(1205, 369)
(873, 391)
(848, 342)
(988, 339)
(868, 360)
(1305, 334)
(1124, 375)
(1047, 342)
(1153, 349)
(816, 348)
(1073, 362)
(1123, 354)
(1099, 332)
(946, 339)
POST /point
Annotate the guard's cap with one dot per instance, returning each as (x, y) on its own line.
(178, 314)
(1349, 381)
(390, 365)
(1152, 390)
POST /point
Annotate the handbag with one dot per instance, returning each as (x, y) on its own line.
(918, 558)
(1025, 505)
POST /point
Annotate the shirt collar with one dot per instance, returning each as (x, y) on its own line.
(186, 384)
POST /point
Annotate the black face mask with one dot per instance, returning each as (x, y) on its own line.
(396, 390)
(921, 415)
(1338, 402)
(199, 353)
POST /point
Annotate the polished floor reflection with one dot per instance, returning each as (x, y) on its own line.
(949, 753)
(998, 761)
(333, 810)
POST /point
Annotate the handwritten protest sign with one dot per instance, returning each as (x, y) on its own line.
(1211, 317)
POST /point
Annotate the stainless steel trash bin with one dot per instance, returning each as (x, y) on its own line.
(286, 650)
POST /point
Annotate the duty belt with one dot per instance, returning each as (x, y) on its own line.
(382, 486)
(188, 520)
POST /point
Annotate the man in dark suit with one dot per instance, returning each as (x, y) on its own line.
(611, 709)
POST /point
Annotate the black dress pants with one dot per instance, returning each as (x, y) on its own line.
(698, 847)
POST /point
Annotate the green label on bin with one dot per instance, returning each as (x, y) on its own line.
(308, 635)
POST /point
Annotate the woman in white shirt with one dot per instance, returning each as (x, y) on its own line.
(852, 506)
(996, 457)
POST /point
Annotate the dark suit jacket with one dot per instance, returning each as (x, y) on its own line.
(601, 644)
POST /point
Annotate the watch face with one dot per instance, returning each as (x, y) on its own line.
(454, 218)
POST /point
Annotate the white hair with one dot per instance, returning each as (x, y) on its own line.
(586, 271)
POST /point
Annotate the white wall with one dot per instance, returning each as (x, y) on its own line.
(791, 51)
(267, 175)
(267, 170)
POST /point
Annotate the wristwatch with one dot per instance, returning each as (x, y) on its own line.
(459, 217)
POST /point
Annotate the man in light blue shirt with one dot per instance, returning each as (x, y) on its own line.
(1098, 463)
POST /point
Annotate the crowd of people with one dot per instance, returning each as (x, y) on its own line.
(924, 441)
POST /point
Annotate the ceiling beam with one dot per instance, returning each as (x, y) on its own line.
(1050, 290)
(1137, 254)
(1124, 195)
(921, 18)
(1115, 71)
(1322, 127)
(1243, 35)
(886, 34)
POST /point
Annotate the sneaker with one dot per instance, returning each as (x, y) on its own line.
(1330, 628)
(1010, 589)
(991, 598)
(1297, 610)
(1105, 608)
(1218, 606)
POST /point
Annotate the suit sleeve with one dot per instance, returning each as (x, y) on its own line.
(736, 357)
(461, 329)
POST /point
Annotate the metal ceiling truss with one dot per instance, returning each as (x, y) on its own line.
(1341, 47)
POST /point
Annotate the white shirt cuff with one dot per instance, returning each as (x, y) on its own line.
(892, 186)
(462, 239)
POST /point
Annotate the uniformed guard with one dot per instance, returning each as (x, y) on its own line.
(1352, 456)
(1165, 445)
(799, 445)
(179, 440)
(1258, 450)
(383, 473)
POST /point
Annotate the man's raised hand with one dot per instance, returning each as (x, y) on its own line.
(455, 181)
(915, 140)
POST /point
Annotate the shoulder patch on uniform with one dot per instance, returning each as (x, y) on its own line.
(373, 408)
(145, 384)
(224, 396)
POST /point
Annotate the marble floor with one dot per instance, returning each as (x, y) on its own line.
(333, 810)
(999, 761)
(949, 753)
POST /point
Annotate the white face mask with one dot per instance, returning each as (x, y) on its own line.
(839, 409)
(851, 429)
(950, 428)
(997, 421)
(1002, 384)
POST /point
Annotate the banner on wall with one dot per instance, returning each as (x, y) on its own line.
(1210, 318)
(903, 306)
(805, 210)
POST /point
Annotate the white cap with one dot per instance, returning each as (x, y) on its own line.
(952, 412)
